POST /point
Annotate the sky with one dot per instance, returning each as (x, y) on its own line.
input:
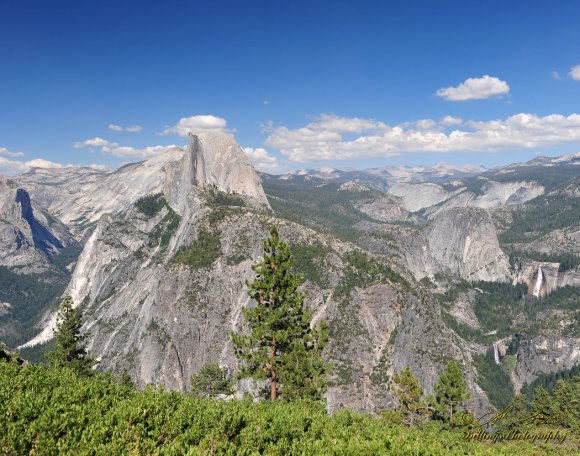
(299, 84)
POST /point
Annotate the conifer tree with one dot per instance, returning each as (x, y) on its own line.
(543, 407)
(279, 343)
(70, 350)
(409, 395)
(450, 392)
(210, 381)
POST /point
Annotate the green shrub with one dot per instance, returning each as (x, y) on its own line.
(56, 412)
(494, 380)
(151, 205)
(202, 252)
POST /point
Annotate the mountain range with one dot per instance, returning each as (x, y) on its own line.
(408, 266)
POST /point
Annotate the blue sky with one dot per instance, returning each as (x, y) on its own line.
(299, 84)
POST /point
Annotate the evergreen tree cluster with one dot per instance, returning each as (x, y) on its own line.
(451, 396)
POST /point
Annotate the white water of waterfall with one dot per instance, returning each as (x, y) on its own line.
(496, 353)
(539, 280)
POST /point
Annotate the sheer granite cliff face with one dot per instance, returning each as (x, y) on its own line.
(220, 162)
(28, 235)
(460, 242)
(84, 195)
(211, 161)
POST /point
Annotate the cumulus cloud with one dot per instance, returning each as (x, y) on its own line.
(145, 152)
(131, 129)
(94, 142)
(475, 89)
(262, 160)
(323, 138)
(196, 123)
(8, 153)
(556, 75)
(449, 121)
(113, 148)
(575, 73)
(10, 167)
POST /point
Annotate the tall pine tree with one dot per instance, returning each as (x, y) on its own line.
(450, 392)
(70, 341)
(279, 344)
(409, 395)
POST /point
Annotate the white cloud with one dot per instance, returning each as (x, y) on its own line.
(94, 142)
(322, 139)
(42, 163)
(14, 166)
(266, 102)
(475, 89)
(575, 73)
(556, 75)
(8, 153)
(8, 166)
(196, 123)
(262, 160)
(449, 121)
(131, 129)
(146, 152)
(113, 148)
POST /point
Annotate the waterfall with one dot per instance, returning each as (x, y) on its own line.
(496, 353)
(539, 280)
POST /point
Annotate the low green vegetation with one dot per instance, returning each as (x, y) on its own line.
(309, 260)
(202, 252)
(151, 205)
(165, 229)
(65, 257)
(218, 198)
(503, 309)
(494, 379)
(318, 205)
(567, 260)
(496, 304)
(465, 331)
(540, 216)
(160, 236)
(549, 381)
(54, 411)
(210, 381)
(29, 295)
(362, 270)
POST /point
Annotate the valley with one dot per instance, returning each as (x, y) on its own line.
(408, 267)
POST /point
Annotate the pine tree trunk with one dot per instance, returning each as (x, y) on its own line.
(273, 378)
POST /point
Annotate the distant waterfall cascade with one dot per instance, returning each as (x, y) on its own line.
(496, 353)
(539, 280)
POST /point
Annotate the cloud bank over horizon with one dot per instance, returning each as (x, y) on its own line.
(330, 137)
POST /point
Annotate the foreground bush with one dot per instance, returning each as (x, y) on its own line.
(55, 412)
